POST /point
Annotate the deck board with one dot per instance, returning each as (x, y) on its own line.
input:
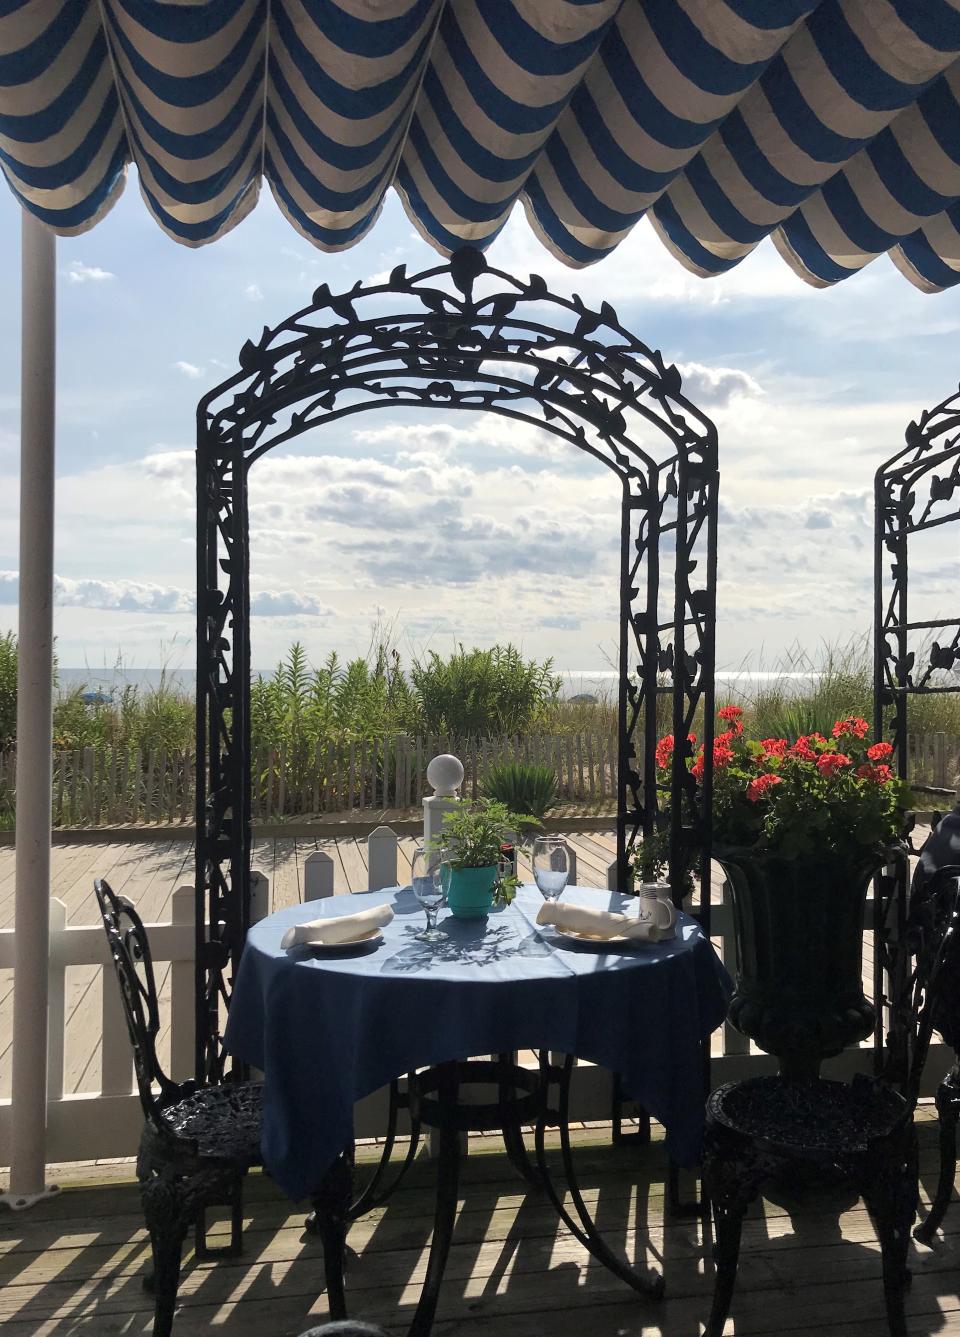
(810, 1264)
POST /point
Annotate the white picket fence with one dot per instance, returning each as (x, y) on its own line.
(105, 1120)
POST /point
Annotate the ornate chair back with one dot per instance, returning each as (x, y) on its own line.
(935, 943)
(130, 951)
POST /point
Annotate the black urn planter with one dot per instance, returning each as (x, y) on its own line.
(799, 935)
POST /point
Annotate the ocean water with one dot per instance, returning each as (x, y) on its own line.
(589, 682)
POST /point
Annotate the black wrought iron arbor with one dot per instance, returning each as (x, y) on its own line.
(915, 491)
(458, 336)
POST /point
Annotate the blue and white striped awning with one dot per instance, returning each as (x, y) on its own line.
(834, 127)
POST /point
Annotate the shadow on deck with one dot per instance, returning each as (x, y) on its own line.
(810, 1263)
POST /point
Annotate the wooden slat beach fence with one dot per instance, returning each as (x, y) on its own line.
(105, 787)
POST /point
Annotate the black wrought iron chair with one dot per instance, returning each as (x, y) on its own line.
(941, 847)
(762, 1127)
(198, 1141)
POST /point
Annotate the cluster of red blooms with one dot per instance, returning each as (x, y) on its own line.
(664, 749)
(723, 753)
(852, 727)
(809, 747)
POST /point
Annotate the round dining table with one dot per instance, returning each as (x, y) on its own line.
(327, 1028)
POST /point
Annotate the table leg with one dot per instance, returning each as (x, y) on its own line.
(448, 1177)
(330, 1220)
(647, 1282)
(513, 1142)
(372, 1195)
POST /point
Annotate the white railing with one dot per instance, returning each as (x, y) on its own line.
(106, 1119)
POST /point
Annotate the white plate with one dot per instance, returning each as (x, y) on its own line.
(618, 939)
(374, 935)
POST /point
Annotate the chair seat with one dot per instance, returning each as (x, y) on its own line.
(807, 1119)
(223, 1121)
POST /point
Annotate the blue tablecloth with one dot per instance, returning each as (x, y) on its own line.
(327, 1030)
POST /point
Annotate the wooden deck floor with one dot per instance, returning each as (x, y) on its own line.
(810, 1264)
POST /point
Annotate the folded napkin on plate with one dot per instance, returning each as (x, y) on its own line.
(343, 929)
(600, 924)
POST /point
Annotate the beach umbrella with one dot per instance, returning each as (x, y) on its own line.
(831, 127)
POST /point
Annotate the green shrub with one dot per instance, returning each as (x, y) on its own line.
(523, 786)
(8, 689)
(477, 692)
(160, 717)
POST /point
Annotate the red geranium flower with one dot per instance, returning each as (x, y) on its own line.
(879, 751)
(880, 775)
(803, 750)
(774, 747)
(664, 748)
(853, 725)
(831, 762)
(722, 756)
(756, 789)
(696, 770)
(734, 717)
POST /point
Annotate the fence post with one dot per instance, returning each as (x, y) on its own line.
(182, 977)
(612, 876)
(56, 1002)
(381, 858)
(317, 876)
(571, 863)
(445, 774)
(940, 760)
(259, 897)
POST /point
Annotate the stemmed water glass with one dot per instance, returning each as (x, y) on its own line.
(428, 887)
(551, 866)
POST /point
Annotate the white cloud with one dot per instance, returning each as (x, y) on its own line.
(714, 387)
(140, 597)
(641, 268)
(77, 272)
(130, 595)
(253, 292)
(190, 370)
(286, 603)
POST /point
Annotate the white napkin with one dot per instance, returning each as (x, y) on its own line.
(600, 924)
(343, 929)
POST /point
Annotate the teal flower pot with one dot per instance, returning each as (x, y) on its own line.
(470, 894)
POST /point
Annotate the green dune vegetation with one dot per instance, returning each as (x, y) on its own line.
(469, 692)
(495, 706)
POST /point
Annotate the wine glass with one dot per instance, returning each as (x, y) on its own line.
(429, 890)
(551, 866)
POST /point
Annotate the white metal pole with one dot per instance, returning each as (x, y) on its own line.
(34, 710)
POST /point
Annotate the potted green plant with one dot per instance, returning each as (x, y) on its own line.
(800, 827)
(471, 841)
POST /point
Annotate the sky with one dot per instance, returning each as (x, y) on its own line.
(454, 527)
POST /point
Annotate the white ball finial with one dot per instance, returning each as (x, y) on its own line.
(445, 773)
